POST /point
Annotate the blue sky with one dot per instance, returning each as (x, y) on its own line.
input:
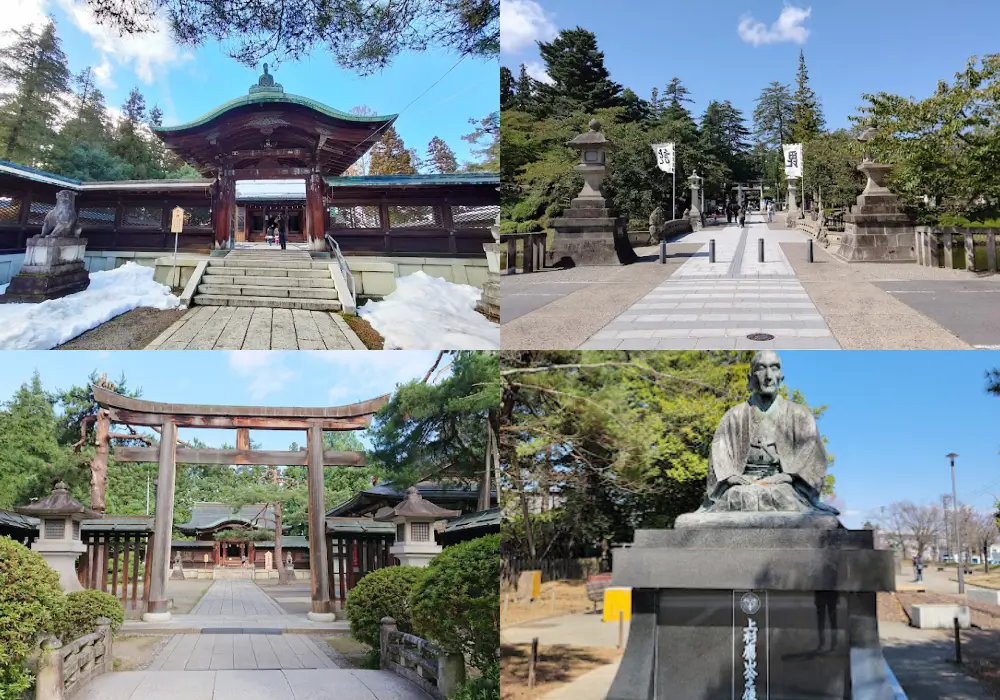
(893, 416)
(851, 46)
(236, 378)
(187, 83)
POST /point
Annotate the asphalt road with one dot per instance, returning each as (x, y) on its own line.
(970, 310)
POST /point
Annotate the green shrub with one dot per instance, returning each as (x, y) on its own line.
(486, 687)
(457, 604)
(382, 593)
(30, 603)
(508, 226)
(529, 227)
(81, 610)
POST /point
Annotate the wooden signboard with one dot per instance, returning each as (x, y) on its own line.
(177, 220)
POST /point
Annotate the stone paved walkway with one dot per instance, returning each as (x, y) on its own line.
(236, 598)
(715, 306)
(254, 328)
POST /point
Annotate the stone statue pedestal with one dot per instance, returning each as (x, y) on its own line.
(589, 233)
(792, 610)
(177, 573)
(53, 268)
(877, 229)
(696, 219)
(489, 304)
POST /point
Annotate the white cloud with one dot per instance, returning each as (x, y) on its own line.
(265, 370)
(149, 54)
(361, 376)
(522, 23)
(102, 74)
(536, 70)
(18, 13)
(787, 29)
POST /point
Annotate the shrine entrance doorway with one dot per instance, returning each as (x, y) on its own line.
(168, 418)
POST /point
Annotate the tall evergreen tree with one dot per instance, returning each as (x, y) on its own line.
(390, 156)
(35, 66)
(131, 142)
(486, 138)
(524, 91)
(80, 147)
(774, 115)
(580, 81)
(636, 108)
(654, 103)
(441, 157)
(155, 117)
(808, 120)
(506, 87)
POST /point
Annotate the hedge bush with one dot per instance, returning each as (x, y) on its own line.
(507, 226)
(382, 593)
(529, 227)
(457, 604)
(31, 601)
(486, 687)
(81, 610)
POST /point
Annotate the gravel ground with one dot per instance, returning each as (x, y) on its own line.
(133, 330)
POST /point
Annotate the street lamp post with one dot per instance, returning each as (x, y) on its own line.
(958, 537)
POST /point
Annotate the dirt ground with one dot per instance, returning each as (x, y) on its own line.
(133, 330)
(369, 336)
(557, 665)
(351, 649)
(990, 580)
(569, 597)
(132, 652)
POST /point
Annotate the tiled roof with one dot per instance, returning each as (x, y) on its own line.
(428, 490)
(404, 180)
(120, 523)
(206, 516)
(358, 525)
(36, 174)
(288, 541)
(482, 519)
(9, 518)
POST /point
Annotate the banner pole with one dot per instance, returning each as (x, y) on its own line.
(673, 193)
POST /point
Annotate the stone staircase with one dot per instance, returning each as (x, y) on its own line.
(283, 279)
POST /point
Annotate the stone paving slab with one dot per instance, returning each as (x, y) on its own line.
(257, 328)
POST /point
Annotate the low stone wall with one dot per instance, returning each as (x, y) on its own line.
(671, 229)
(61, 670)
(94, 261)
(936, 247)
(437, 672)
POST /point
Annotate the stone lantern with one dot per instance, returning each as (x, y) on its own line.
(589, 232)
(489, 304)
(60, 516)
(414, 519)
(694, 213)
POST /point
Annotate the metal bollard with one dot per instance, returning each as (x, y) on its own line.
(958, 643)
(663, 252)
(711, 250)
(809, 250)
(760, 250)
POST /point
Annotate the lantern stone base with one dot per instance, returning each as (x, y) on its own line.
(177, 574)
(53, 268)
(877, 230)
(156, 616)
(489, 304)
(415, 553)
(64, 564)
(588, 233)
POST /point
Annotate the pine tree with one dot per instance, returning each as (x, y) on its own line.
(390, 156)
(524, 91)
(580, 81)
(654, 103)
(808, 118)
(486, 128)
(774, 115)
(80, 149)
(674, 97)
(362, 166)
(155, 117)
(131, 142)
(441, 157)
(506, 87)
(35, 66)
(636, 109)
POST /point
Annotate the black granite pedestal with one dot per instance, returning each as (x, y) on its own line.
(778, 614)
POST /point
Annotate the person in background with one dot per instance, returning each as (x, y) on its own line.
(918, 565)
(770, 212)
(282, 233)
(741, 214)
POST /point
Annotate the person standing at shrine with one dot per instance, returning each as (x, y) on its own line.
(282, 233)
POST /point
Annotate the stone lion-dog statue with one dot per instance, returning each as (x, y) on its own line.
(61, 222)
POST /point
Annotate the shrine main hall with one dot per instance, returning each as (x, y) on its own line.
(263, 154)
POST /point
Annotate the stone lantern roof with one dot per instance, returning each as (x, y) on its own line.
(59, 502)
(414, 506)
(591, 139)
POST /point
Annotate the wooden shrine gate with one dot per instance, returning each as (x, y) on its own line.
(356, 547)
(169, 417)
(117, 548)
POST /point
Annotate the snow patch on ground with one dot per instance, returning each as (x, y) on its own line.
(111, 293)
(430, 313)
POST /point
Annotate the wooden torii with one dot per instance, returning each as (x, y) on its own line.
(168, 417)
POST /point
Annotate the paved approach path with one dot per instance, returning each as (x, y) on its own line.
(253, 662)
(257, 328)
(706, 305)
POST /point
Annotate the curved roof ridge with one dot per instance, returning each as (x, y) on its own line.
(265, 97)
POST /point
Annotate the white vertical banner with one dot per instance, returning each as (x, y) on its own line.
(793, 159)
(664, 156)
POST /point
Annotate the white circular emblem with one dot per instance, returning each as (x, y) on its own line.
(749, 603)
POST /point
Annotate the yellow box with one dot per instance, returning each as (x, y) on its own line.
(617, 600)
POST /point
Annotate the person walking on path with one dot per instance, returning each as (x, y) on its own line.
(770, 212)
(282, 234)
(729, 213)
(918, 566)
(742, 214)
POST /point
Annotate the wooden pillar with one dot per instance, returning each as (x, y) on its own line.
(139, 543)
(341, 570)
(126, 553)
(991, 251)
(164, 525)
(243, 439)
(146, 585)
(313, 224)
(321, 608)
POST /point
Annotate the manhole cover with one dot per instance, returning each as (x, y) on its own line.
(760, 336)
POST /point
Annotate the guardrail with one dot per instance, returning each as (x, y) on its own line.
(344, 269)
(936, 248)
(532, 254)
(62, 670)
(436, 671)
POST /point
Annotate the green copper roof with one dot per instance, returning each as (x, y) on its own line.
(402, 180)
(274, 97)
